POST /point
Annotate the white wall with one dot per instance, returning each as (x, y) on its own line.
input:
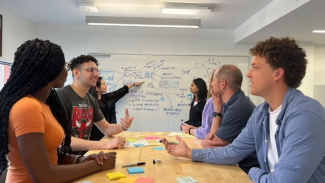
(307, 85)
(15, 31)
(76, 40)
(319, 69)
(319, 55)
(83, 39)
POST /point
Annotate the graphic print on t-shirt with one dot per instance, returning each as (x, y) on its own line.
(82, 121)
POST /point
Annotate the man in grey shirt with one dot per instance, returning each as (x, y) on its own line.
(232, 110)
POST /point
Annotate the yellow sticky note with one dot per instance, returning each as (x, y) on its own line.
(128, 180)
(115, 175)
(155, 144)
(131, 140)
(159, 133)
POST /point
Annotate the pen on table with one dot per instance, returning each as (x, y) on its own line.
(170, 143)
(133, 164)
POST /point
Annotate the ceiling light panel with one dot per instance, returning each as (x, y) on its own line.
(319, 31)
(143, 22)
(88, 6)
(185, 10)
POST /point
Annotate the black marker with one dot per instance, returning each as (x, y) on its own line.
(134, 164)
(170, 143)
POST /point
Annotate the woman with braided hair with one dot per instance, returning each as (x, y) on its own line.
(35, 133)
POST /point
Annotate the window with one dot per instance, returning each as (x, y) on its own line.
(4, 72)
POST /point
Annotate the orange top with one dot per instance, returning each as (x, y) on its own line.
(29, 115)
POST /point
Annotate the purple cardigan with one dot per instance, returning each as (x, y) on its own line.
(207, 118)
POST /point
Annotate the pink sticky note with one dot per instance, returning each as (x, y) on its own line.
(144, 180)
(150, 138)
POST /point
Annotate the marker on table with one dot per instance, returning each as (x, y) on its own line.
(170, 143)
(133, 164)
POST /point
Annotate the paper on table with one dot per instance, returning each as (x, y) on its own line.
(188, 179)
(180, 134)
(137, 143)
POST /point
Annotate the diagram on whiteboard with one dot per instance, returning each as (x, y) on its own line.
(162, 102)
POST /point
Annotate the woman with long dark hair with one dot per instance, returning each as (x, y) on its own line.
(35, 132)
(199, 90)
(107, 101)
(207, 125)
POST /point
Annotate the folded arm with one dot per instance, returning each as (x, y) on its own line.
(33, 152)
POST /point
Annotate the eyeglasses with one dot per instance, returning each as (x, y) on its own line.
(67, 65)
(92, 70)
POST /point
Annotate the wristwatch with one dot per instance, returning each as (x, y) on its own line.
(215, 114)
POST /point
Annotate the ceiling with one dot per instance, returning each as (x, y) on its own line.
(297, 22)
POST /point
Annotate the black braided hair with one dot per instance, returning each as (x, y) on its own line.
(36, 63)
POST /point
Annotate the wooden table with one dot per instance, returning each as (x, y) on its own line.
(170, 168)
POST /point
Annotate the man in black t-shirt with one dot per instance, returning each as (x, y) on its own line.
(83, 109)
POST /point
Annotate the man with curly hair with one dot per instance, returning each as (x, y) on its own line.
(286, 131)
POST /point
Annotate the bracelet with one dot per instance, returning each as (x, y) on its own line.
(77, 158)
(124, 128)
(189, 131)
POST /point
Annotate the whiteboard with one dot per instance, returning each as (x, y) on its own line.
(163, 101)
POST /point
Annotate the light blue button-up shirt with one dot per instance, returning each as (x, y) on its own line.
(300, 138)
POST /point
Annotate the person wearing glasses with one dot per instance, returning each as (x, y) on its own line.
(83, 110)
(107, 101)
(35, 131)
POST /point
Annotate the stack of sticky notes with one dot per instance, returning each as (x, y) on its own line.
(133, 170)
(144, 180)
(127, 180)
(115, 175)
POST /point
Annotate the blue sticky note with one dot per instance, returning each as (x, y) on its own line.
(133, 170)
(138, 145)
(158, 148)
